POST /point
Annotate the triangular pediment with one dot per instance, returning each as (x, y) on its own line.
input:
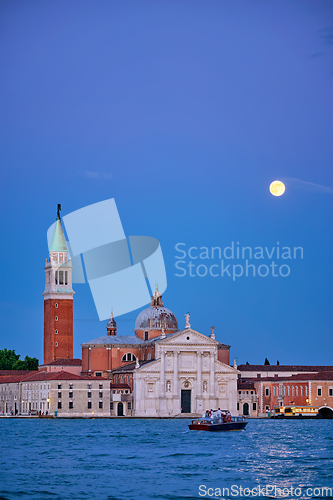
(188, 336)
(153, 366)
(222, 367)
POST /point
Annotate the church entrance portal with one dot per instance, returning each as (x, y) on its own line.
(185, 402)
(245, 408)
(120, 410)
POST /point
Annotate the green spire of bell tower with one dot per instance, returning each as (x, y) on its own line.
(58, 241)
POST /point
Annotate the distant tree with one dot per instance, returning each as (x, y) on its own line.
(247, 363)
(266, 362)
(11, 361)
(7, 359)
(278, 362)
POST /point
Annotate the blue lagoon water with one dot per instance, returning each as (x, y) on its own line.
(160, 459)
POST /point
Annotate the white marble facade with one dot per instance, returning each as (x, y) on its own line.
(185, 361)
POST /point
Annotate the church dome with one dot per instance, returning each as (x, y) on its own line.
(156, 316)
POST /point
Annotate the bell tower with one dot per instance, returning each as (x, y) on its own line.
(58, 299)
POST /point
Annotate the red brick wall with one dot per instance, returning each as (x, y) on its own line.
(102, 359)
(223, 356)
(64, 325)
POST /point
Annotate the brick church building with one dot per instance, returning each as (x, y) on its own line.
(167, 370)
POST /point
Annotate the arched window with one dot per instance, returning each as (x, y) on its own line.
(128, 357)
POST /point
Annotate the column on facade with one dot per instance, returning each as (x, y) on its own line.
(212, 374)
(199, 373)
(162, 375)
(175, 373)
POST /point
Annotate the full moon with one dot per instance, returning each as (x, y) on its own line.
(277, 188)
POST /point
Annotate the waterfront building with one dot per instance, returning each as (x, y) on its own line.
(121, 400)
(169, 371)
(63, 394)
(247, 399)
(286, 386)
(260, 371)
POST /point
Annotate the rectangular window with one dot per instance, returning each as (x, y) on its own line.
(146, 335)
(100, 394)
(330, 391)
(129, 405)
(70, 405)
(89, 394)
(100, 404)
(56, 277)
(98, 374)
(258, 375)
(293, 390)
(319, 391)
(254, 406)
(274, 391)
(100, 386)
(59, 395)
(66, 280)
(237, 406)
(70, 386)
(89, 405)
(61, 277)
(59, 386)
(111, 406)
(59, 405)
(267, 391)
(306, 390)
(288, 390)
(296, 390)
(301, 390)
(70, 395)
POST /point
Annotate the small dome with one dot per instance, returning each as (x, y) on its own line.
(156, 318)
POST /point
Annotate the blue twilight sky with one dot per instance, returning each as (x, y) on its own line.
(184, 112)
